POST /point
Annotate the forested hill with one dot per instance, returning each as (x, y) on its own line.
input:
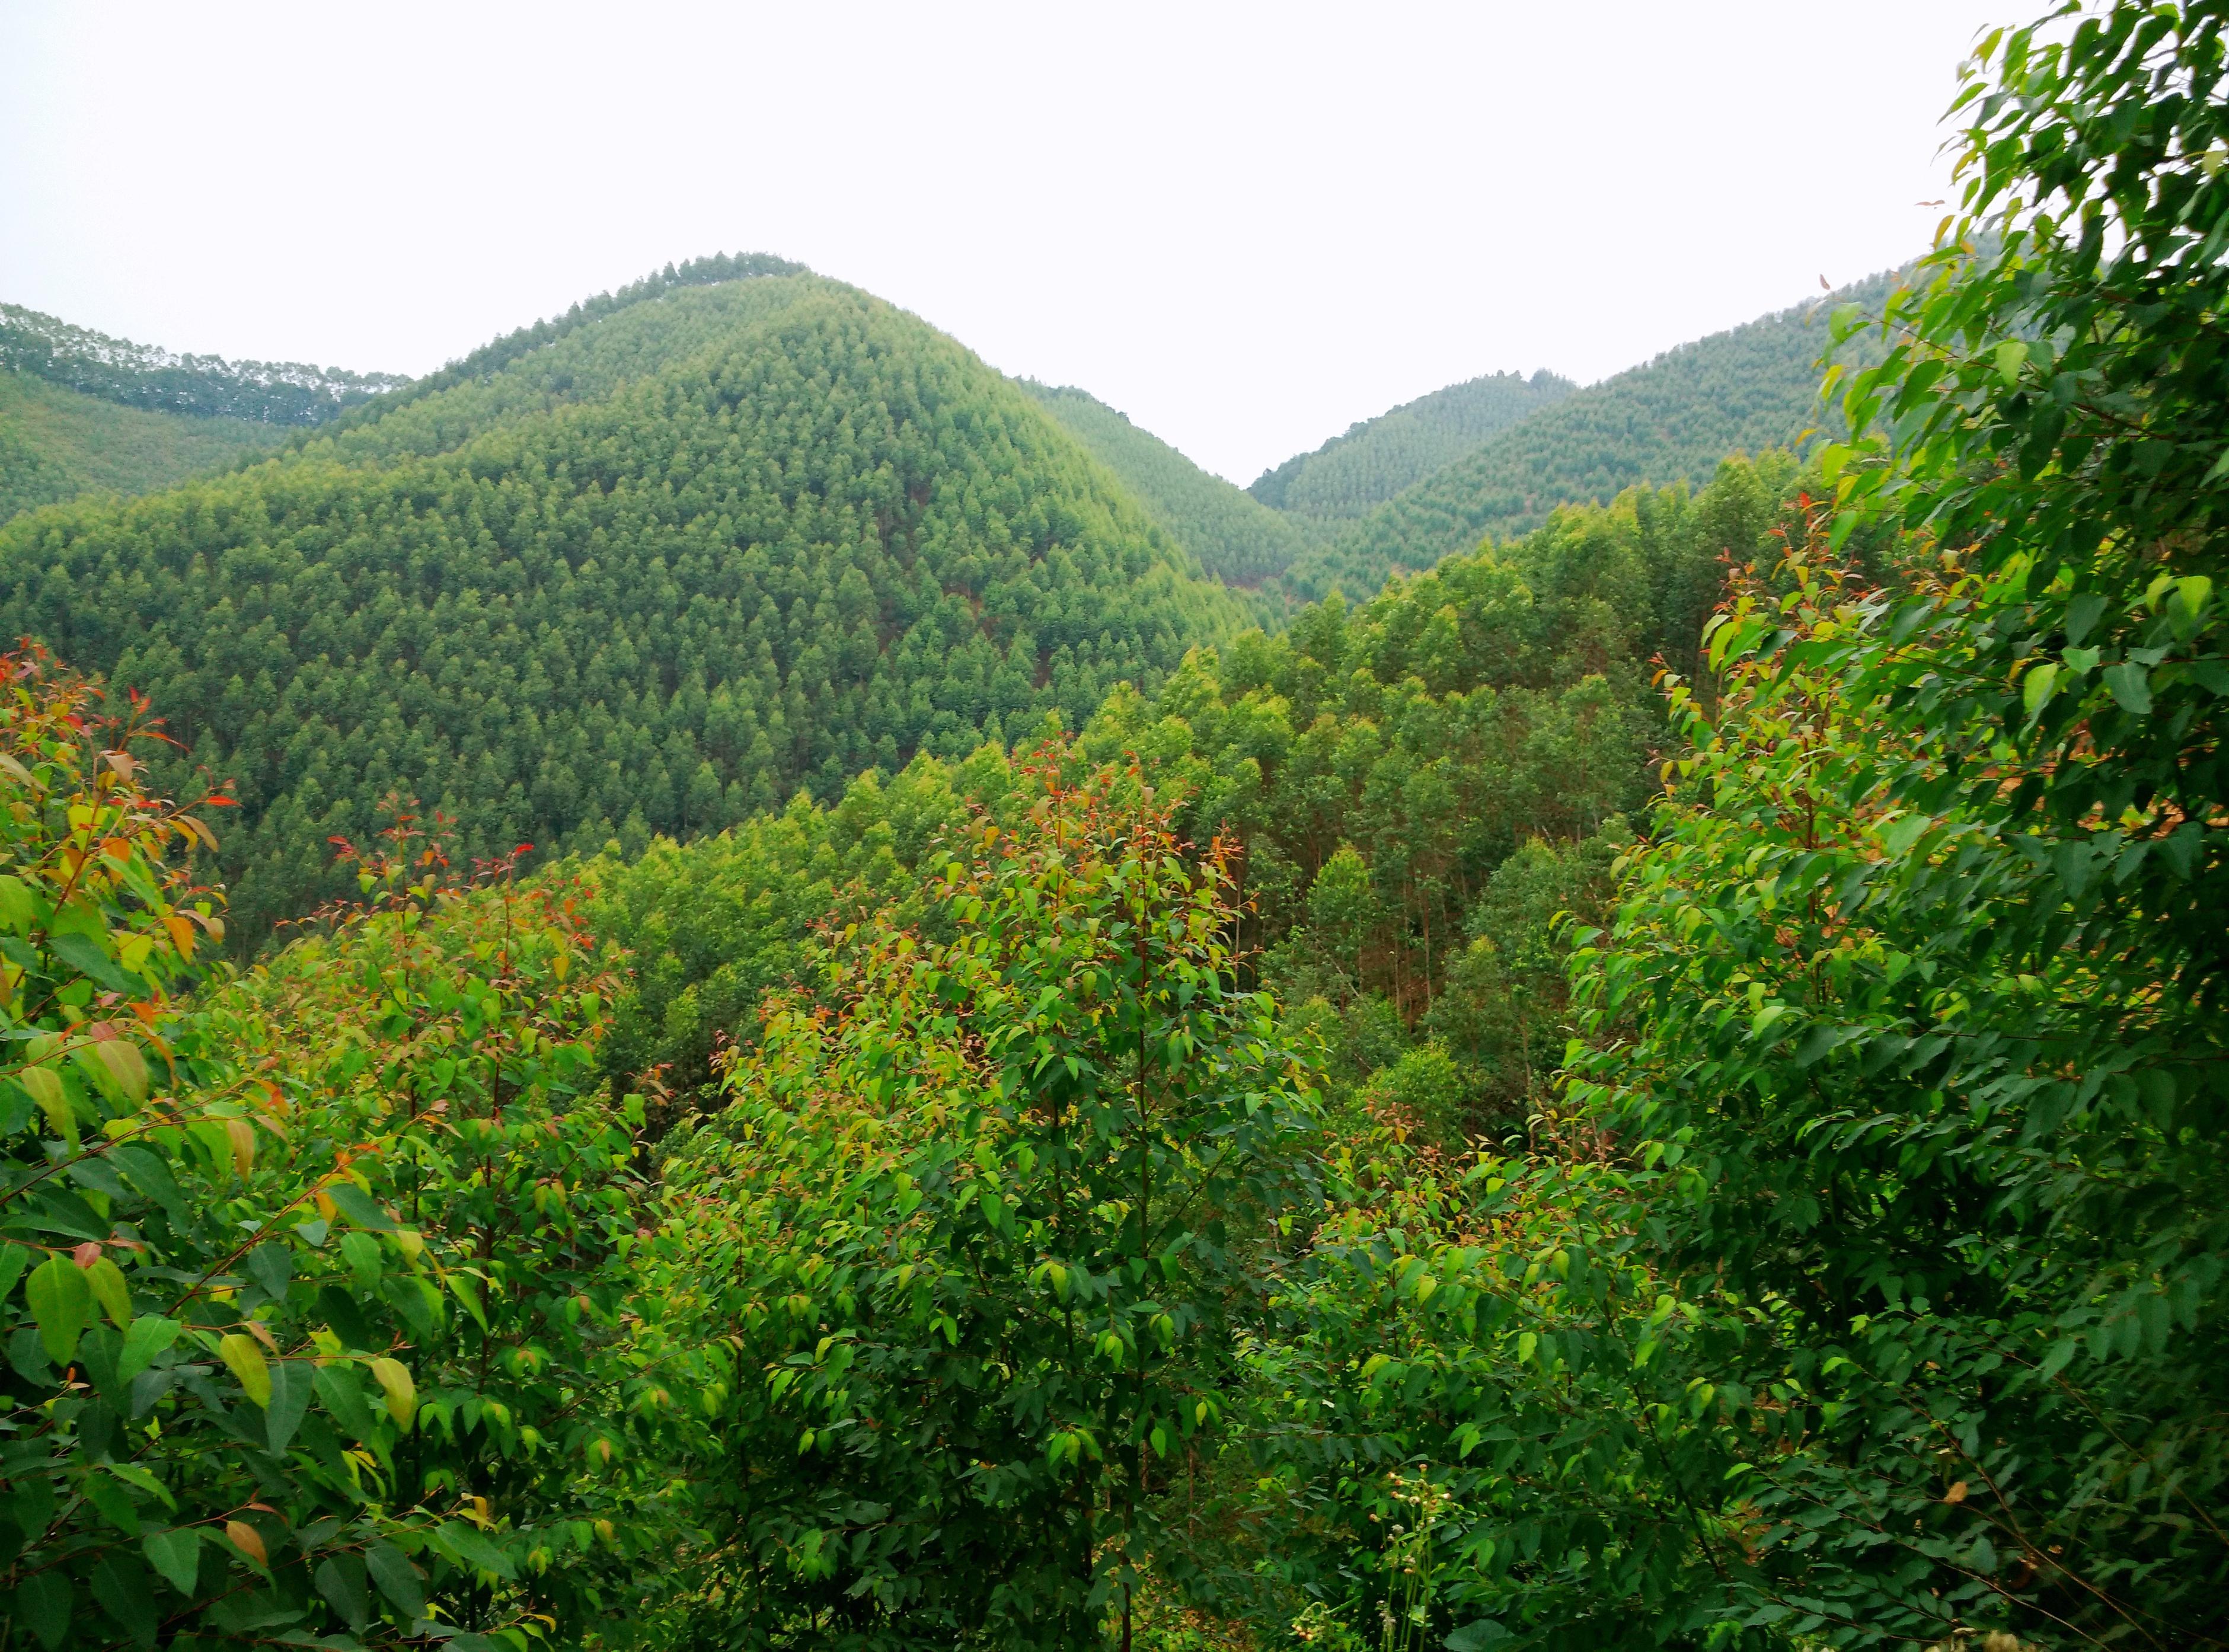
(1671, 420)
(56, 443)
(651, 574)
(1234, 537)
(1378, 458)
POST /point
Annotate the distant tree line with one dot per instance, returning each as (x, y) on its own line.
(209, 386)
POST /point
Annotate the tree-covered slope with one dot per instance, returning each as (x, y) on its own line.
(1376, 458)
(56, 443)
(1671, 420)
(1235, 538)
(660, 571)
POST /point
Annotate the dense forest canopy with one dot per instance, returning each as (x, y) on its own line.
(651, 578)
(1372, 1134)
(1379, 458)
(1231, 536)
(1497, 708)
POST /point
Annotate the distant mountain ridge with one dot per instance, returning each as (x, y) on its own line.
(162, 380)
(1378, 458)
(1232, 535)
(1667, 421)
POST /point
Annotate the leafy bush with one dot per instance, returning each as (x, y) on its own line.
(316, 1274)
(985, 1241)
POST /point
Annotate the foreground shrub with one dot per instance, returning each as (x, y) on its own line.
(309, 1283)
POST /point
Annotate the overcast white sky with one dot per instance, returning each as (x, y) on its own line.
(1246, 226)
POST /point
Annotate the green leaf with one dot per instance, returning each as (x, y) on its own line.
(397, 1578)
(401, 1393)
(177, 1554)
(291, 1381)
(42, 1604)
(83, 954)
(2011, 356)
(337, 1386)
(14, 1259)
(44, 1085)
(472, 1547)
(340, 1579)
(106, 1280)
(2130, 685)
(356, 1205)
(1476, 1636)
(124, 1066)
(132, 1475)
(114, 1503)
(18, 911)
(149, 1335)
(361, 1252)
(461, 1286)
(271, 1266)
(127, 1595)
(62, 1304)
(146, 1171)
(2036, 687)
(97, 1351)
(243, 1356)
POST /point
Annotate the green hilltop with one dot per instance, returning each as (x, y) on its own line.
(648, 569)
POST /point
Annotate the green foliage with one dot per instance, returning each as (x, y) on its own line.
(1908, 1050)
(1873, 1255)
(788, 535)
(1668, 421)
(1233, 537)
(1952, 1182)
(1498, 707)
(1476, 1423)
(1405, 749)
(1507, 1004)
(985, 1242)
(56, 444)
(207, 387)
(713, 926)
(1379, 458)
(2052, 402)
(316, 1277)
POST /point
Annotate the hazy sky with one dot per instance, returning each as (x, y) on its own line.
(1244, 226)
